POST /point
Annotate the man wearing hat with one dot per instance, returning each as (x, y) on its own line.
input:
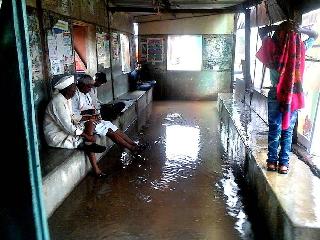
(62, 131)
(83, 107)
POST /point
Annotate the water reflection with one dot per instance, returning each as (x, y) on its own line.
(234, 203)
(182, 142)
(182, 145)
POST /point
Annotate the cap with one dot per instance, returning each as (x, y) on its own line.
(64, 82)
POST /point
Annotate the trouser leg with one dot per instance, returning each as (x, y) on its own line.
(286, 140)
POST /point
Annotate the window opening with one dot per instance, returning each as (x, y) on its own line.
(184, 52)
(125, 53)
(308, 118)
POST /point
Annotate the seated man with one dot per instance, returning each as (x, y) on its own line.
(110, 111)
(139, 79)
(84, 109)
(60, 130)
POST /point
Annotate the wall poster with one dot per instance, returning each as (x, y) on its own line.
(155, 50)
(60, 48)
(217, 52)
(115, 46)
(103, 51)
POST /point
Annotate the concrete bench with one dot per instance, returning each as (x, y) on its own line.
(63, 169)
(288, 204)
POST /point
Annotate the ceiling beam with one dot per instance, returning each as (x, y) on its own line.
(152, 10)
(231, 9)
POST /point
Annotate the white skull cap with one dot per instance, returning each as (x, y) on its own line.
(64, 82)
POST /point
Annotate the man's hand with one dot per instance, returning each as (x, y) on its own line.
(89, 138)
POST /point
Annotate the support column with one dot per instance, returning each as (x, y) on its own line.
(247, 75)
(22, 215)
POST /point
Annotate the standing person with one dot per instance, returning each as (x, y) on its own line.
(60, 130)
(108, 111)
(284, 54)
(83, 109)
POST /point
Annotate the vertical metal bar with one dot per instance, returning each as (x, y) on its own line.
(248, 81)
(110, 50)
(45, 59)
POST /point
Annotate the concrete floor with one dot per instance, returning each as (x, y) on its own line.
(179, 189)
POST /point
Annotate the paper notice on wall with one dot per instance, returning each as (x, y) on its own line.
(52, 46)
(56, 67)
(103, 50)
(67, 48)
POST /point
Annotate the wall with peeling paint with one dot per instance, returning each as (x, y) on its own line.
(192, 85)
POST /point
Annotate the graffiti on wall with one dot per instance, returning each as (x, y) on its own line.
(103, 53)
(60, 48)
(155, 50)
(217, 52)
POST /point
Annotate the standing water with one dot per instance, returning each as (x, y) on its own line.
(181, 187)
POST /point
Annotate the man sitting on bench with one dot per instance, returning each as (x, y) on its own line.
(83, 109)
(110, 111)
(62, 132)
(139, 79)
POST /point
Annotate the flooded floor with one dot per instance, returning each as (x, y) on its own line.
(180, 187)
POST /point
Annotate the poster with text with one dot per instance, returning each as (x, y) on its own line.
(154, 49)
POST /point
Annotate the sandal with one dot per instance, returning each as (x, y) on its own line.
(283, 169)
(271, 166)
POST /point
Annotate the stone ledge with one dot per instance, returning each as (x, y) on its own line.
(289, 204)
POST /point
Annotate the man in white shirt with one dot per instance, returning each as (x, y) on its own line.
(84, 108)
(62, 132)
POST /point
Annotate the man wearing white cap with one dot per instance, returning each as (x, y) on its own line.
(61, 131)
(83, 108)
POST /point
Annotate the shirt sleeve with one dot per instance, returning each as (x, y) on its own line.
(309, 43)
(76, 113)
(63, 117)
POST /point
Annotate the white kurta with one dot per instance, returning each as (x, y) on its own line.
(59, 128)
(94, 96)
(82, 102)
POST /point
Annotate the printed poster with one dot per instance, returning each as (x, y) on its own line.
(103, 50)
(154, 49)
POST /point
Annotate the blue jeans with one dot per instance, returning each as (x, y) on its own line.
(145, 86)
(276, 135)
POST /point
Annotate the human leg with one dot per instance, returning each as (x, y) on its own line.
(274, 121)
(89, 144)
(118, 139)
(126, 138)
(286, 141)
(89, 129)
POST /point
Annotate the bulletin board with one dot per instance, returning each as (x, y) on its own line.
(60, 48)
(155, 49)
(103, 51)
(217, 52)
